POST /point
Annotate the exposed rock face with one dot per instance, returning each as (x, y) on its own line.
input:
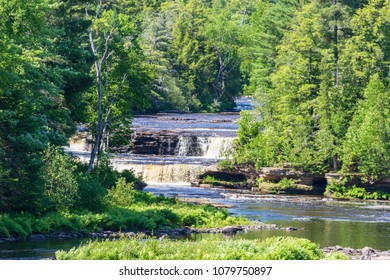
(245, 177)
(221, 179)
(274, 174)
(152, 143)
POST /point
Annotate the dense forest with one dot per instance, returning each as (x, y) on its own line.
(321, 80)
(318, 70)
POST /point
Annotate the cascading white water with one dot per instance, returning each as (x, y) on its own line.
(168, 173)
(171, 147)
(188, 146)
(183, 146)
(218, 146)
(80, 142)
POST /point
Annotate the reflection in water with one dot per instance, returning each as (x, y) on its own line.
(324, 221)
(32, 250)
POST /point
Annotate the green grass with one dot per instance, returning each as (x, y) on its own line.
(149, 213)
(212, 248)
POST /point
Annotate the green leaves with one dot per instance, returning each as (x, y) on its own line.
(310, 93)
(367, 145)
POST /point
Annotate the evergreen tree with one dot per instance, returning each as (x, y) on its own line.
(366, 148)
(193, 55)
(156, 41)
(32, 109)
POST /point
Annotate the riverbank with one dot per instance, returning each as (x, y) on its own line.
(185, 233)
(215, 248)
(272, 180)
(365, 253)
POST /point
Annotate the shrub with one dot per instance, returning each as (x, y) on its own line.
(60, 183)
(3, 229)
(286, 183)
(91, 192)
(122, 194)
(339, 190)
(13, 227)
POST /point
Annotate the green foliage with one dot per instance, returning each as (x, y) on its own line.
(367, 145)
(313, 67)
(91, 192)
(18, 227)
(32, 111)
(335, 188)
(336, 256)
(60, 183)
(288, 248)
(339, 189)
(378, 195)
(121, 194)
(214, 248)
(210, 179)
(286, 183)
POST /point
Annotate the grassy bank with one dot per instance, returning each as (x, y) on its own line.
(146, 212)
(212, 248)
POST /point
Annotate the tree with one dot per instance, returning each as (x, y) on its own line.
(71, 44)
(32, 111)
(121, 74)
(265, 30)
(366, 148)
(225, 30)
(156, 41)
(192, 53)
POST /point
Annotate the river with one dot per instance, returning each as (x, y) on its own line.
(172, 149)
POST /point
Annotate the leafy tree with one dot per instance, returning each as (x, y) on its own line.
(32, 111)
(71, 44)
(60, 181)
(366, 148)
(225, 31)
(265, 30)
(119, 70)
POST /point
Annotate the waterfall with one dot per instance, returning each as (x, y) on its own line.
(206, 147)
(218, 146)
(80, 142)
(191, 146)
(169, 147)
(169, 173)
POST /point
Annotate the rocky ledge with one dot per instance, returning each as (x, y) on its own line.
(366, 253)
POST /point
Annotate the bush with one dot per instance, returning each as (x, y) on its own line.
(91, 192)
(3, 229)
(12, 227)
(289, 248)
(59, 180)
(339, 190)
(286, 183)
(122, 194)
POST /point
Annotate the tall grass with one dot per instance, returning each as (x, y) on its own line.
(163, 213)
(213, 248)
